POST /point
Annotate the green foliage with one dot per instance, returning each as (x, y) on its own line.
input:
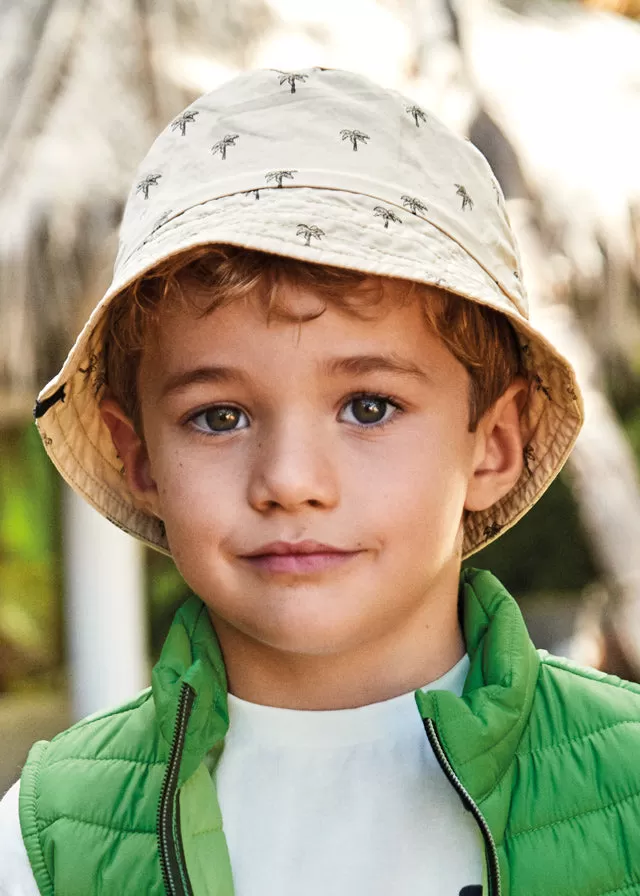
(30, 567)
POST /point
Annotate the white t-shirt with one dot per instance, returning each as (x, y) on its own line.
(347, 802)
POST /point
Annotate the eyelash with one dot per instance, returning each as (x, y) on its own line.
(378, 396)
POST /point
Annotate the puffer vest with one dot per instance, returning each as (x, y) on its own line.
(544, 754)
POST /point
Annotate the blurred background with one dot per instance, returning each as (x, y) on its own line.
(549, 90)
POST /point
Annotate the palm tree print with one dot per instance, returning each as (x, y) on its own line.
(183, 120)
(354, 136)
(540, 386)
(280, 175)
(149, 181)
(92, 364)
(492, 530)
(416, 113)
(467, 201)
(222, 145)
(291, 78)
(528, 456)
(387, 215)
(308, 231)
(414, 205)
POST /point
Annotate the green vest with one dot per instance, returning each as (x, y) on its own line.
(546, 755)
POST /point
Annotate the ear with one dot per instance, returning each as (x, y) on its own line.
(498, 459)
(132, 451)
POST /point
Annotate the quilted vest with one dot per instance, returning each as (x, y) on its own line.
(542, 752)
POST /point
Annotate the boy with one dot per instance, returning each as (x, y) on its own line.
(314, 383)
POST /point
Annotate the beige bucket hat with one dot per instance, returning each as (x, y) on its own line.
(326, 166)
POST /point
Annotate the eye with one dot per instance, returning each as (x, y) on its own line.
(370, 410)
(219, 419)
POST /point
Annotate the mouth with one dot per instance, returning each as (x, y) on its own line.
(298, 557)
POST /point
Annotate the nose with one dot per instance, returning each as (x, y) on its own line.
(293, 467)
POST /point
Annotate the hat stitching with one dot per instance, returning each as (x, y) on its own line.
(321, 202)
(277, 222)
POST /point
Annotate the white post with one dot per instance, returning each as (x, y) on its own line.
(104, 610)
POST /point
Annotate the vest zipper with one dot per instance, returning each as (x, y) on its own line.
(493, 867)
(174, 872)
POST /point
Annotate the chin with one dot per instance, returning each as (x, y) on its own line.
(305, 638)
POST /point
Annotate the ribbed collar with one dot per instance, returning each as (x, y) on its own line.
(479, 731)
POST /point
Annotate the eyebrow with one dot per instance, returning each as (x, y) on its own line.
(359, 365)
(211, 374)
(355, 365)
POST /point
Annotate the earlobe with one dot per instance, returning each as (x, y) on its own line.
(132, 451)
(499, 449)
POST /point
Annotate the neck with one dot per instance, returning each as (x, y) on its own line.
(403, 659)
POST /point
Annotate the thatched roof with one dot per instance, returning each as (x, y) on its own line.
(86, 84)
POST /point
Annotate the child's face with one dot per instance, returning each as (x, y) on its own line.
(259, 433)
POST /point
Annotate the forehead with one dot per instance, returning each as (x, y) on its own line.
(302, 319)
(286, 355)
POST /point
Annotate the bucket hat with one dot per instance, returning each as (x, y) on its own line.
(321, 165)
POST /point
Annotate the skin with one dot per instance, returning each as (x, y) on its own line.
(300, 463)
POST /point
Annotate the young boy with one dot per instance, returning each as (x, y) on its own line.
(313, 382)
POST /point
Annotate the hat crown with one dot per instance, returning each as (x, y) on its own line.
(329, 129)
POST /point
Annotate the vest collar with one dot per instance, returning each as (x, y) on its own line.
(479, 731)
(191, 655)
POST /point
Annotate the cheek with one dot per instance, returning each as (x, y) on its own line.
(197, 499)
(417, 491)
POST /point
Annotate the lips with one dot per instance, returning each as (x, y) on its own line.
(298, 557)
(284, 548)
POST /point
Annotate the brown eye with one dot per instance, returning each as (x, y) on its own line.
(369, 410)
(219, 419)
